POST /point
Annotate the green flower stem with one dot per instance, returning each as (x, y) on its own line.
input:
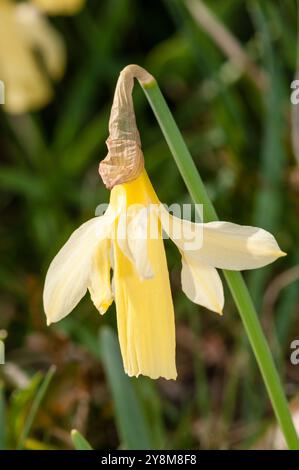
(234, 279)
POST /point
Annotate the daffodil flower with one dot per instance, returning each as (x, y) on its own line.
(23, 32)
(59, 7)
(128, 240)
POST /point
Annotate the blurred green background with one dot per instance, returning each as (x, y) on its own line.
(225, 72)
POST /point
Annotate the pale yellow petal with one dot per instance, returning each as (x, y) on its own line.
(59, 7)
(145, 315)
(202, 283)
(184, 233)
(132, 238)
(237, 247)
(99, 284)
(68, 276)
(222, 244)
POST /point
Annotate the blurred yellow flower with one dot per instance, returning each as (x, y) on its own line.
(128, 239)
(31, 52)
(59, 7)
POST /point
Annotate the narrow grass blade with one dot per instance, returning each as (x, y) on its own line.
(80, 443)
(35, 406)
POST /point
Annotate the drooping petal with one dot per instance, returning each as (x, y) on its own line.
(201, 283)
(223, 244)
(145, 315)
(237, 247)
(187, 235)
(132, 237)
(99, 284)
(69, 273)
